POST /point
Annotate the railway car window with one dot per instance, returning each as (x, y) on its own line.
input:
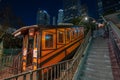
(68, 35)
(61, 37)
(73, 35)
(78, 32)
(49, 41)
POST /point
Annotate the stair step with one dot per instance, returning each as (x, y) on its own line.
(97, 74)
(97, 62)
(99, 47)
(97, 65)
(99, 53)
(99, 56)
(100, 50)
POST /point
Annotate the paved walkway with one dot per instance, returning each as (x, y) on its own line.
(97, 65)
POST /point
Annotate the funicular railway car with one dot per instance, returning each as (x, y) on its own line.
(47, 45)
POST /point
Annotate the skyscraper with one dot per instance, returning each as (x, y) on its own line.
(60, 16)
(71, 9)
(93, 10)
(84, 10)
(43, 17)
(110, 5)
(100, 7)
(54, 20)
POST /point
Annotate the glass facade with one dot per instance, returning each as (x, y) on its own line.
(43, 17)
(49, 41)
(71, 9)
(61, 37)
(68, 35)
(60, 16)
(100, 7)
(110, 5)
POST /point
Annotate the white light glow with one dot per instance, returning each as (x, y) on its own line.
(17, 34)
(86, 18)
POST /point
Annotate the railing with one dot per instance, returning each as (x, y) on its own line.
(115, 29)
(5, 61)
(60, 71)
(82, 61)
(9, 65)
(77, 59)
(11, 51)
(114, 38)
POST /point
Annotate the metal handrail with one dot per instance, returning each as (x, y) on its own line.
(115, 28)
(61, 71)
(114, 38)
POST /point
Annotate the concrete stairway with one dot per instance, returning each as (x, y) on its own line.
(97, 65)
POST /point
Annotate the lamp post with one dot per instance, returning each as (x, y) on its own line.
(89, 19)
(84, 18)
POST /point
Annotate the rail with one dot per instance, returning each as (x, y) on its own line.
(7, 66)
(115, 29)
(11, 51)
(11, 65)
(61, 71)
(6, 59)
(114, 38)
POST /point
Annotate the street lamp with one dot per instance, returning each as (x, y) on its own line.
(89, 20)
(84, 18)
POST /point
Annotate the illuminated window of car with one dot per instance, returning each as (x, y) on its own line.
(76, 32)
(60, 35)
(68, 35)
(73, 34)
(49, 41)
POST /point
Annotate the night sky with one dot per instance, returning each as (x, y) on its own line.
(27, 9)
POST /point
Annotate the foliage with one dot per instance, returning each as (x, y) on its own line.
(76, 21)
(87, 24)
(111, 11)
(10, 42)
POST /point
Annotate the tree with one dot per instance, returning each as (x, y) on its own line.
(86, 24)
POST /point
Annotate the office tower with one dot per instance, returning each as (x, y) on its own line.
(84, 10)
(92, 7)
(43, 17)
(110, 5)
(54, 20)
(100, 7)
(71, 9)
(96, 8)
(60, 16)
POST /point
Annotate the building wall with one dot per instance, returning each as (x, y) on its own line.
(100, 7)
(108, 5)
(54, 21)
(71, 9)
(60, 16)
(43, 17)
